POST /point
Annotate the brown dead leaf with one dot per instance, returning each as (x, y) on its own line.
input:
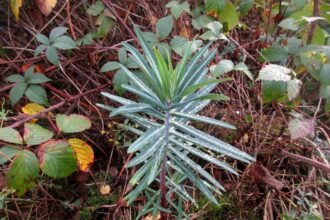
(46, 6)
(259, 173)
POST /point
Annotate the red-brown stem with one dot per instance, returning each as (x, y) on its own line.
(56, 106)
(313, 25)
(308, 161)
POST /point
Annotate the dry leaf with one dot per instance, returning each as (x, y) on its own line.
(151, 217)
(15, 6)
(84, 152)
(46, 6)
(105, 189)
(32, 109)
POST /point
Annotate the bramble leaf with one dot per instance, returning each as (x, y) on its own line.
(84, 153)
(57, 159)
(72, 123)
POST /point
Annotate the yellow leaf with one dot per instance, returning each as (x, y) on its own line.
(32, 108)
(15, 5)
(84, 152)
(46, 6)
(105, 189)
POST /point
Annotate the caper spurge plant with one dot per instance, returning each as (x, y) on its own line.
(168, 99)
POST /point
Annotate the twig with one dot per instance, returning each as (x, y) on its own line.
(306, 160)
(56, 106)
(107, 3)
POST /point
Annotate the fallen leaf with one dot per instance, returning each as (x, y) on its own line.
(105, 189)
(84, 152)
(301, 128)
(15, 6)
(32, 109)
(46, 6)
(151, 217)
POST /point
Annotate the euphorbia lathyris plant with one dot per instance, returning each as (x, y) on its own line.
(169, 99)
(56, 158)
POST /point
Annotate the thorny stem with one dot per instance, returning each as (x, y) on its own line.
(162, 183)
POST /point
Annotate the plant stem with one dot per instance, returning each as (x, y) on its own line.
(313, 25)
(162, 182)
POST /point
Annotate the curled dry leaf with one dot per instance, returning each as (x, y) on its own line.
(84, 153)
(46, 6)
(105, 189)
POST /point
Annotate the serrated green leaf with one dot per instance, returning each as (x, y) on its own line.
(10, 135)
(244, 68)
(223, 67)
(110, 66)
(273, 72)
(52, 55)
(273, 91)
(164, 26)
(57, 159)
(42, 39)
(40, 49)
(289, 24)
(177, 9)
(56, 33)
(245, 6)
(17, 92)
(38, 78)
(7, 153)
(325, 75)
(35, 134)
(36, 94)
(72, 123)
(15, 78)
(275, 54)
(64, 43)
(96, 9)
(23, 172)
(120, 79)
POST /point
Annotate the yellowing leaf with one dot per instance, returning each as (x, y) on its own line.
(15, 5)
(84, 152)
(32, 109)
(46, 6)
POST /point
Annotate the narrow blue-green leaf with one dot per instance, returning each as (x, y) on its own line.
(138, 82)
(196, 167)
(204, 156)
(143, 95)
(141, 172)
(149, 136)
(203, 119)
(117, 98)
(149, 53)
(145, 153)
(131, 108)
